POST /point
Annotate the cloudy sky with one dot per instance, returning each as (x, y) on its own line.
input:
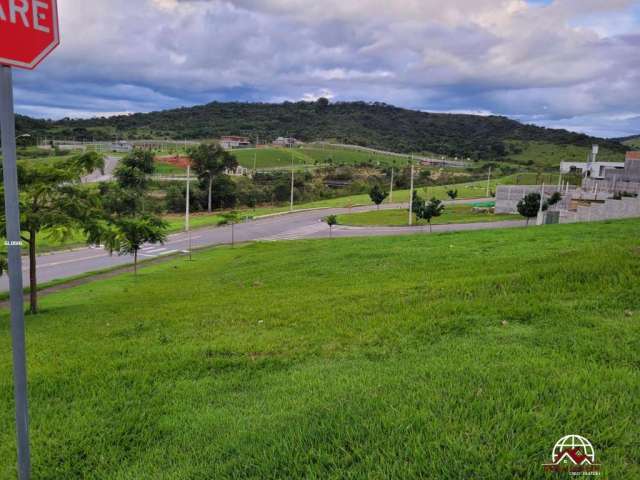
(562, 63)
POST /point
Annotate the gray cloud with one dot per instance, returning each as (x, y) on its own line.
(573, 62)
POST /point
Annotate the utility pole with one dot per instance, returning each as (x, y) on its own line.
(540, 218)
(391, 188)
(292, 179)
(188, 208)
(489, 183)
(411, 196)
(13, 243)
(255, 155)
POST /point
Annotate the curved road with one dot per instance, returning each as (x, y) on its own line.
(110, 164)
(290, 226)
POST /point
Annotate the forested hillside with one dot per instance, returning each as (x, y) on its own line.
(374, 125)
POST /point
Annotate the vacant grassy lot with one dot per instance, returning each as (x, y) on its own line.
(633, 143)
(444, 356)
(400, 217)
(276, 157)
(549, 155)
(271, 157)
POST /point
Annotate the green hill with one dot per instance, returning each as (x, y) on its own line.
(633, 142)
(447, 356)
(373, 125)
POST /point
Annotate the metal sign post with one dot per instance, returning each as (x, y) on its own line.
(28, 33)
(188, 208)
(12, 211)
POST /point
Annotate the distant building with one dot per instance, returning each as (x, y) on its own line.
(592, 170)
(231, 142)
(286, 141)
(121, 147)
(631, 171)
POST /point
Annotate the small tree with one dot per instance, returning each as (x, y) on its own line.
(377, 195)
(134, 169)
(453, 194)
(52, 199)
(553, 200)
(210, 160)
(529, 206)
(331, 220)
(252, 201)
(122, 225)
(127, 235)
(417, 204)
(230, 218)
(432, 209)
(4, 264)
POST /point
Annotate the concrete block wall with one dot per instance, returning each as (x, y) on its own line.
(610, 209)
(614, 182)
(508, 196)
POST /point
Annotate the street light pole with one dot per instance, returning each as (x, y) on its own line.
(292, 179)
(411, 196)
(255, 155)
(489, 183)
(12, 212)
(188, 209)
(391, 188)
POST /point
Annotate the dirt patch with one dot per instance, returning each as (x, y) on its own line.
(179, 161)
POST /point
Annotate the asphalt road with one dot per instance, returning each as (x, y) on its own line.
(294, 226)
(110, 164)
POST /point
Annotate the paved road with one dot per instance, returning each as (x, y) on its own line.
(110, 164)
(276, 228)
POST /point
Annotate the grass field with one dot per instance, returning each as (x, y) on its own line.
(444, 356)
(308, 155)
(633, 143)
(400, 217)
(162, 168)
(266, 158)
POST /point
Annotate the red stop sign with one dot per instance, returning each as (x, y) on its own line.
(28, 31)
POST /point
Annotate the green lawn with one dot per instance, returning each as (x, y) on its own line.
(400, 218)
(444, 356)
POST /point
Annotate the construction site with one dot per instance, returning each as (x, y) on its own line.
(611, 193)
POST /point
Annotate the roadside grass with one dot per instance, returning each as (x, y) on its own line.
(444, 356)
(400, 217)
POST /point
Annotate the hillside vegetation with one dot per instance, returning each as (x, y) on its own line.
(373, 125)
(442, 356)
(633, 142)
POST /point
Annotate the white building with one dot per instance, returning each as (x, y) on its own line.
(286, 141)
(122, 147)
(592, 170)
(231, 142)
